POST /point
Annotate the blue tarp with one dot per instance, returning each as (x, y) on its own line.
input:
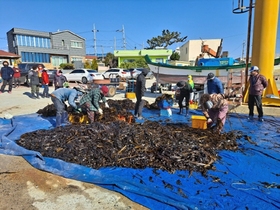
(246, 179)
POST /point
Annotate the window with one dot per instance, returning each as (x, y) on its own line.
(186, 50)
(159, 60)
(35, 57)
(76, 58)
(76, 44)
(33, 41)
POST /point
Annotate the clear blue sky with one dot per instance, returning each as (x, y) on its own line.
(142, 20)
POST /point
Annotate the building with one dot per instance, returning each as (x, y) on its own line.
(156, 55)
(192, 49)
(6, 56)
(50, 48)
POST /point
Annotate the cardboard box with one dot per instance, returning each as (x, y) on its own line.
(199, 122)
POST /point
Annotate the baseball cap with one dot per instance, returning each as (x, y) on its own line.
(210, 76)
(104, 89)
(254, 68)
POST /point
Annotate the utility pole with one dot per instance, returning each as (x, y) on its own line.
(94, 39)
(123, 37)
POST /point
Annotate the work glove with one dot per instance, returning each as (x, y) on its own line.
(106, 105)
(100, 111)
(239, 95)
(78, 110)
(209, 121)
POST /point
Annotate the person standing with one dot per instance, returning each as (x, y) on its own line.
(185, 93)
(140, 89)
(7, 74)
(45, 83)
(191, 82)
(257, 83)
(90, 101)
(59, 79)
(59, 97)
(214, 85)
(34, 82)
(16, 76)
(40, 71)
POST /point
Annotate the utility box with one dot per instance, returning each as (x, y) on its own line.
(199, 122)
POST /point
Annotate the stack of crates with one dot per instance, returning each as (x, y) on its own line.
(130, 89)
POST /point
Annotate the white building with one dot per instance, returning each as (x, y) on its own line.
(192, 49)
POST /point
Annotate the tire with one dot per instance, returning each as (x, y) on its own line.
(112, 91)
(84, 80)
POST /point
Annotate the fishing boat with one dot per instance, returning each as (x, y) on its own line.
(166, 73)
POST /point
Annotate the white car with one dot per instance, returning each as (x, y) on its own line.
(135, 72)
(120, 72)
(83, 75)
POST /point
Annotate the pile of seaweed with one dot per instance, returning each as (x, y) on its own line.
(158, 145)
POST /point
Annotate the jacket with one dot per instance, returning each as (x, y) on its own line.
(257, 84)
(93, 96)
(59, 80)
(218, 101)
(215, 86)
(34, 78)
(66, 94)
(45, 77)
(140, 87)
(16, 72)
(7, 73)
(186, 90)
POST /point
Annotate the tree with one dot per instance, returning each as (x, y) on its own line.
(111, 60)
(87, 64)
(175, 56)
(139, 63)
(66, 66)
(168, 38)
(94, 64)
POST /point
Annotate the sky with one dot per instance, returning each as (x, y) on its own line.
(140, 19)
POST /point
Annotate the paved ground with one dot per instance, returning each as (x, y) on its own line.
(24, 187)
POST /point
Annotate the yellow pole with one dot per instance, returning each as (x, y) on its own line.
(264, 41)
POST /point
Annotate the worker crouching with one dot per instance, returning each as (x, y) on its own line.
(215, 108)
(90, 101)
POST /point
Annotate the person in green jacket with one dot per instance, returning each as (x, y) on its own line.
(191, 82)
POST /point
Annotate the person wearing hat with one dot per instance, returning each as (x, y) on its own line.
(59, 80)
(185, 92)
(59, 97)
(90, 101)
(140, 89)
(16, 76)
(214, 85)
(7, 74)
(257, 83)
(214, 107)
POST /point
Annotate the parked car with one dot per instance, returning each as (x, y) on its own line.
(24, 68)
(83, 75)
(51, 73)
(121, 72)
(135, 72)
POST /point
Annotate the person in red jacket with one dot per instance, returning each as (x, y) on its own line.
(16, 76)
(45, 83)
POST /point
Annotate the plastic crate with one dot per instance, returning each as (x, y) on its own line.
(199, 122)
(130, 95)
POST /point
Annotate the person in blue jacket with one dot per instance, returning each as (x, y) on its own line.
(59, 97)
(214, 85)
(7, 74)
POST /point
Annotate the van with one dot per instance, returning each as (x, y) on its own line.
(24, 68)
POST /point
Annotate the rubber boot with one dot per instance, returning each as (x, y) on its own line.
(58, 120)
(180, 111)
(37, 95)
(187, 112)
(65, 118)
(33, 96)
